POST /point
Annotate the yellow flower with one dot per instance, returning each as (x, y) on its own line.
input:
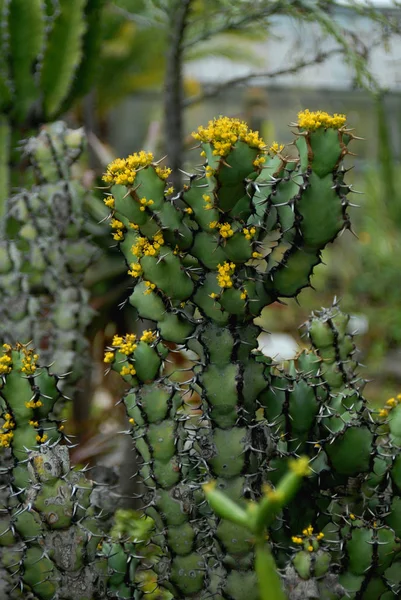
(136, 270)
(108, 357)
(148, 336)
(276, 148)
(314, 120)
(223, 133)
(130, 370)
(109, 201)
(225, 273)
(122, 171)
(163, 172)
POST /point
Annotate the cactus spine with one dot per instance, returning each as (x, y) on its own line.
(247, 229)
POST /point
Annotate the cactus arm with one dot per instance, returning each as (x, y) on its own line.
(6, 86)
(4, 161)
(27, 33)
(86, 70)
(59, 66)
(52, 511)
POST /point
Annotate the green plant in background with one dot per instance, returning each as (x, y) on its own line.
(39, 79)
(44, 255)
(246, 230)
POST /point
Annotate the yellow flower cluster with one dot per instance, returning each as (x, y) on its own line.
(134, 226)
(208, 202)
(276, 148)
(41, 439)
(213, 296)
(224, 229)
(144, 203)
(224, 132)
(5, 439)
(313, 120)
(390, 404)
(209, 171)
(108, 357)
(34, 404)
(188, 210)
(136, 270)
(149, 287)
(257, 255)
(109, 201)
(249, 232)
(170, 190)
(259, 160)
(307, 533)
(226, 271)
(244, 295)
(122, 171)
(5, 360)
(163, 172)
(143, 247)
(29, 362)
(128, 345)
(7, 435)
(119, 226)
(128, 370)
(148, 336)
(34, 423)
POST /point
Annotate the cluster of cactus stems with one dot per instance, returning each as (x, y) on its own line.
(44, 254)
(248, 229)
(218, 444)
(38, 79)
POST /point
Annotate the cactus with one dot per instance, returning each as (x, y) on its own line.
(39, 79)
(50, 520)
(216, 440)
(44, 255)
(248, 229)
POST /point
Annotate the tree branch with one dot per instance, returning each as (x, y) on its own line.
(234, 25)
(302, 64)
(173, 87)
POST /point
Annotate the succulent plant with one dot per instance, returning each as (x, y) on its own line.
(218, 439)
(247, 230)
(39, 79)
(44, 255)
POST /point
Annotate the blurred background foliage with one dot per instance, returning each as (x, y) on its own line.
(166, 66)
